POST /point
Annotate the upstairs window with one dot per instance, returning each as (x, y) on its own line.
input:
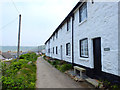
(56, 50)
(83, 12)
(68, 49)
(56, 34)
(68, 25)
(49, 42)
(84, 48)
(53, 38)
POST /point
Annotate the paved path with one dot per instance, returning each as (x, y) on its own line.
(50, 77)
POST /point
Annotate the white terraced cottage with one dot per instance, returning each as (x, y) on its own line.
(89, 37)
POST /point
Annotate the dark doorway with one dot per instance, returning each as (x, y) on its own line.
(61, 52)
(97, 55)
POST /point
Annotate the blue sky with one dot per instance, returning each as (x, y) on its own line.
(39, 19)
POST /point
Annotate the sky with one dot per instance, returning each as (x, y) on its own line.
(39, 19)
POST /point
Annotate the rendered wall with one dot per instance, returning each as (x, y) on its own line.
(119, 38)
(102, 22)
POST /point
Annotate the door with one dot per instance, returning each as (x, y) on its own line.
(61, 52)
(97, 55)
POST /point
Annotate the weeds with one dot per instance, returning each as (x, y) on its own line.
(60, 65)
(20, 74)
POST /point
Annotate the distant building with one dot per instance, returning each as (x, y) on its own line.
(1, 57)
(6, 56)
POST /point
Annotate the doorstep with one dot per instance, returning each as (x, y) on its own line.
(94, 82)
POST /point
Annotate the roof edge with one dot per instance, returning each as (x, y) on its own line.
(66, 18)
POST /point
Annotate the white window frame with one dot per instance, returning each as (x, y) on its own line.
(84, 48)
(83, 12)
(68, 49)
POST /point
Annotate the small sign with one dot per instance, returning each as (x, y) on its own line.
(106, 49)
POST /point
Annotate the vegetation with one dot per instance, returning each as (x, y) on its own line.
(109, 85)
(20, 74)
(64, 66)
(60, 65)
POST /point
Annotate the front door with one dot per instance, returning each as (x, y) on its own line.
(61, 52)
(97, 55)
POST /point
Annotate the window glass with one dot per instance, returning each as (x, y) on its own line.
(84, 48)
(68, 25)
(68, 51)
(83, 12)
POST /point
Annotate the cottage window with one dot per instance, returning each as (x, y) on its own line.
(53, 50)
(68, 49)
(68, 25)
(83, 12)
(49, 50)
(53, 38)
(84, 48)
(56, 50)
(56, 34)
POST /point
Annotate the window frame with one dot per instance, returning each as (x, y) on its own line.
(68, 49)
(84, 48)
(80, 13)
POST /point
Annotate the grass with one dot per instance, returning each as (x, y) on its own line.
(20, 74)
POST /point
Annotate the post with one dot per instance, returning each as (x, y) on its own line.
(73, 40)
(18, 50)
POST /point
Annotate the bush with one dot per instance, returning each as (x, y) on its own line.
(65, 67)
(19, 74)
(56, 62)
(29, 56)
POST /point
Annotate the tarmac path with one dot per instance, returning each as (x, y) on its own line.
(50, 77)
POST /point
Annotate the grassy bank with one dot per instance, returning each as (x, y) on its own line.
(20, 74)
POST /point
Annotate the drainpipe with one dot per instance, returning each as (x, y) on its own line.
(73, 40)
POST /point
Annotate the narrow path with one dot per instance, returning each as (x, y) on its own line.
(50, 77)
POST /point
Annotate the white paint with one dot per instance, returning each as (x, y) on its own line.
(102, 21)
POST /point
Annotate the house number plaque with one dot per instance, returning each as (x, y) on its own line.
(106, 49)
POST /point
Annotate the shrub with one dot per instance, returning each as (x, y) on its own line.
(19, 74)
(65, 67)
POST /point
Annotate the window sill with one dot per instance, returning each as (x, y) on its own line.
(82, 22)
(84, 59)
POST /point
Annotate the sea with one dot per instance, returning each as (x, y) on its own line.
(22, 48)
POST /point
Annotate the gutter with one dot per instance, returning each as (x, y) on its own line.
(73, 40)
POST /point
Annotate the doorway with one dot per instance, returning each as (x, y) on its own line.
(97, 55)
(61, 52)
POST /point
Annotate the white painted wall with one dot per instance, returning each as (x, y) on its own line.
(119, 38)
(64, 37)
(102, 22)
